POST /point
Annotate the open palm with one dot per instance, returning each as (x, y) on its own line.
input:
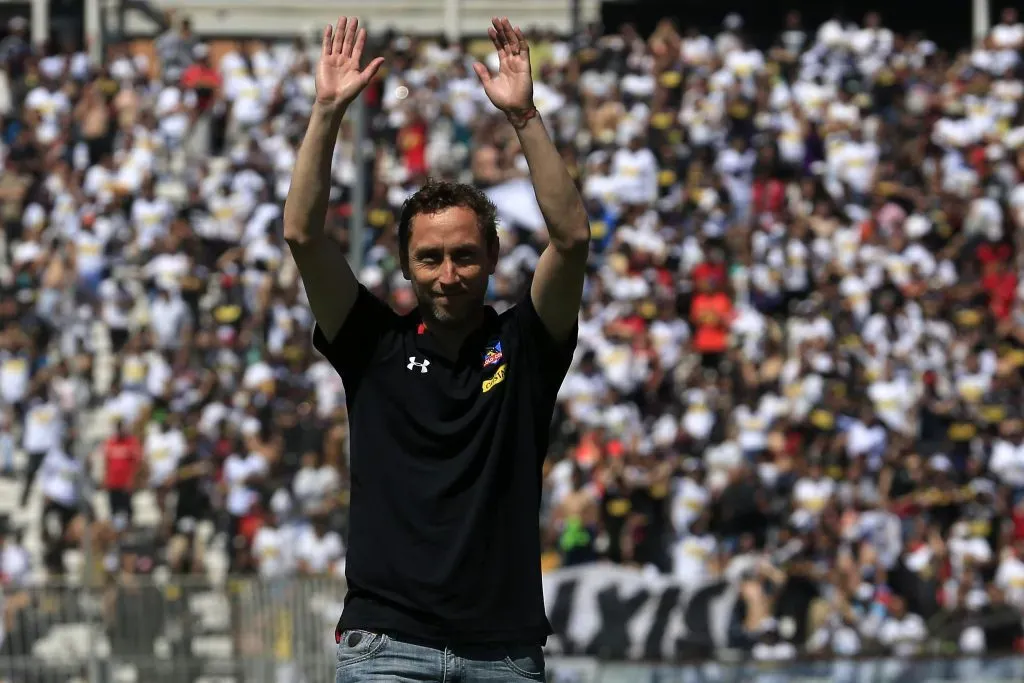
(511, 89)
(339, 80)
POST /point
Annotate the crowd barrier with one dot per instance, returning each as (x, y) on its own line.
(173, 630)
(191, 630)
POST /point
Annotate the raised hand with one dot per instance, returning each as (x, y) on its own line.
(511, 89)
(339, 80)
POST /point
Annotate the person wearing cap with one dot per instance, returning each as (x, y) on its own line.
(450, 405)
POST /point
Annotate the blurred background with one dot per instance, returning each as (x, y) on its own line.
(790, 447)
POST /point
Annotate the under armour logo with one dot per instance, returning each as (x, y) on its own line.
(413, 363)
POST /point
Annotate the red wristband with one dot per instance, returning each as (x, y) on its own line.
(520, 119)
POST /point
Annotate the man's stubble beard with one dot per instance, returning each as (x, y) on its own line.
(430, 310)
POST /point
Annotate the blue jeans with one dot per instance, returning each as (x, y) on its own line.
(376, 657)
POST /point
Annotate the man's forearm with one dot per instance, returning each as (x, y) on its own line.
(305, 208)
(559, 200)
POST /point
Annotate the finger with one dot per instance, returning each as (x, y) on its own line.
(524, 44)
(371, 70)
(495, 39)
(510, 36)
(350, 37)
(357, 51)
(496, 22)
(482, 73)
(325, 44)
(339, 35)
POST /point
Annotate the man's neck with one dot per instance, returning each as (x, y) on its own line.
(451, 337)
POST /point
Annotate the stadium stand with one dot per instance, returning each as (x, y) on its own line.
(801, 352)
(418, 17)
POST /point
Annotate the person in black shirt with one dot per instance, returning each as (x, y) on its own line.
(650, 503)
(616, 506)
(191, 485)
(449, 405)
(303, 432)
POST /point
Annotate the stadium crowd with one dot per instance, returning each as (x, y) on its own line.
(801, 349)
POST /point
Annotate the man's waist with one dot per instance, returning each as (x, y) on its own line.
(523, 626)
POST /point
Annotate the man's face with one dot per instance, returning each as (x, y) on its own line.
(449, 264)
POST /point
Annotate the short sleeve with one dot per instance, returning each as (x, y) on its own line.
(552, 357)
(232, 472)
(357, 342)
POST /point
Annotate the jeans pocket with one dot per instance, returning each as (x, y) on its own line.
(356, 646)
(526, 662)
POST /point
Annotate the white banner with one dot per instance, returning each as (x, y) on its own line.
(615, 612)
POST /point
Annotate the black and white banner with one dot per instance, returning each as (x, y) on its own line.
(616, 612)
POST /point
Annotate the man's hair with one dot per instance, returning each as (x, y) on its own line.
(436, 196)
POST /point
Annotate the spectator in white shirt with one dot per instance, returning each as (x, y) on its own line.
(1010, 574)
(1008, 34)
(814, 492)
(316, 485)
(637, 172)
(15, 373)
(273, 546)
(1007, 457)
(695, 555)
(169, 320)
(902, 633)
(15, 561)
(60, 480)
(865, 437)
(43, 431)
(319, 551)
(242, 476)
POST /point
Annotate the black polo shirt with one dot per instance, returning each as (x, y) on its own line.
(444, 539)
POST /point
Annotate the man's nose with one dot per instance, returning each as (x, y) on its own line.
(449, 273)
